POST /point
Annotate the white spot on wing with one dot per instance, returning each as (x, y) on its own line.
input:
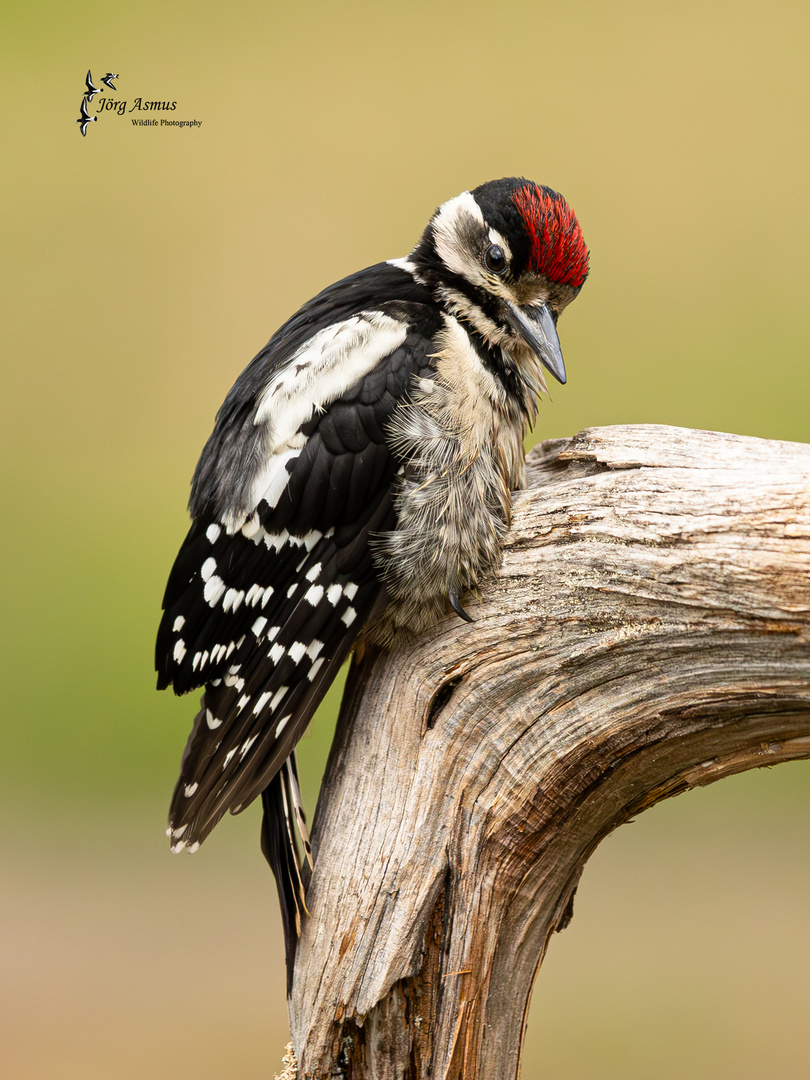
(189, 790)
(179, 623)
(252, 527)
(274, 704)
(314, 648)
(314, 595)
(214, 588)
(313, 671)
(261, 702)
(312, 573)
(296, 651)
(208, 567)
(179, 651)
(211, 720)
(348, 616)
(232, 599)
(246, 745)
(282, 724)
(259, 625)
(333, 594)
(212, 532)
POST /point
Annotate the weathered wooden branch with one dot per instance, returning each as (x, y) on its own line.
(649, 632)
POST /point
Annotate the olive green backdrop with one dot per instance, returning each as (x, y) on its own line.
(143, 267)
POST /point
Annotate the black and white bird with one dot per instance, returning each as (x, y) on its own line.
(108, 80)
(91, 90)
(85, 118)
(357, 482)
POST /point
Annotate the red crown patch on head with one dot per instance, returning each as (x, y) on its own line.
(558, 250)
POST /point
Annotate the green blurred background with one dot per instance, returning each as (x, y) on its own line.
(144, 267)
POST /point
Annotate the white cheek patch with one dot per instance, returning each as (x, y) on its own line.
(453, 221)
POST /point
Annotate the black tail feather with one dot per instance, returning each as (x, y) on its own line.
(282, 816)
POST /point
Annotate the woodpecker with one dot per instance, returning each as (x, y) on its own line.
(357, 482)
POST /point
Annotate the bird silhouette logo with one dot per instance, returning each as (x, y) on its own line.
(91, 90)
(85, 118)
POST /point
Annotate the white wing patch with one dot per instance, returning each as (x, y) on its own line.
(325, 366)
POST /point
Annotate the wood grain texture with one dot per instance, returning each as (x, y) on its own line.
(648, 632)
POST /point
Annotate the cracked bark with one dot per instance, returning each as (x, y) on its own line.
(649, 632)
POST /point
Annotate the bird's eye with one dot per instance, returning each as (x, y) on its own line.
(494, 259)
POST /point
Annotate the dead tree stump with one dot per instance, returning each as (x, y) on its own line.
(649, 631)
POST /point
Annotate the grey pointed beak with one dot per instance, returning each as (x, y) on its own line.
(535, 325)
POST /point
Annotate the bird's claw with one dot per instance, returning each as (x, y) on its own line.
(459, 610)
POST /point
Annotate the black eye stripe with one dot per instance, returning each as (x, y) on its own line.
(495, 259)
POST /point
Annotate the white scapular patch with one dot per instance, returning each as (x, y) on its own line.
(282, 724)
(325, 367)
(179, 651)
(296, 651)
(189, 790)
(179, 623)
(314, 595)
(213, 532)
